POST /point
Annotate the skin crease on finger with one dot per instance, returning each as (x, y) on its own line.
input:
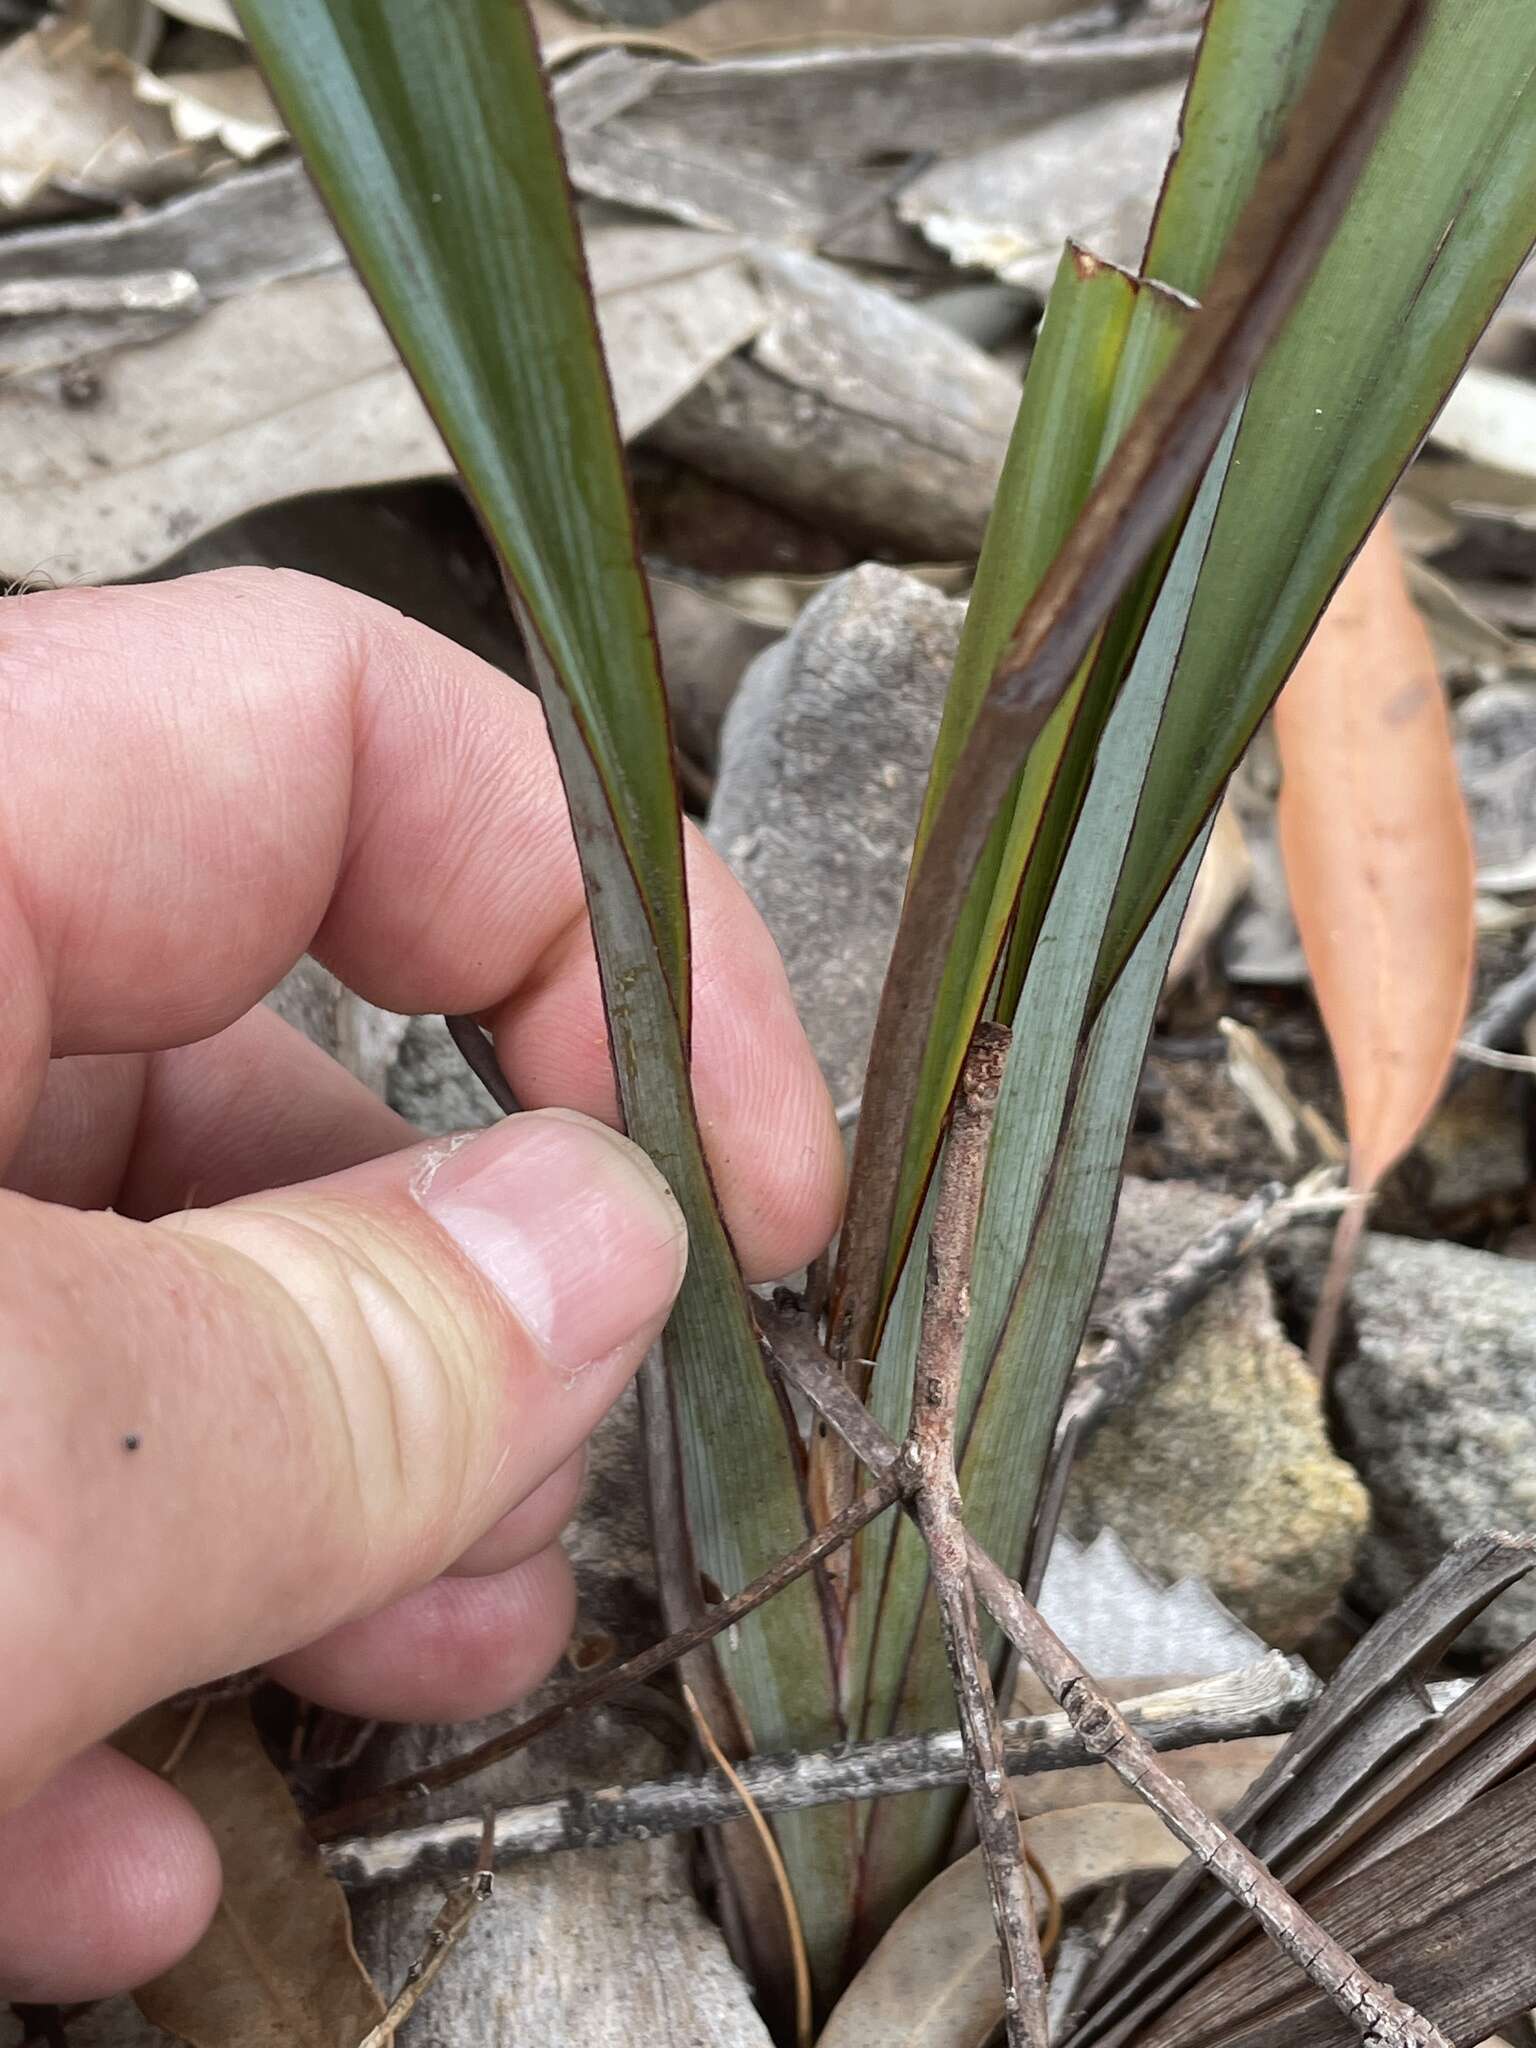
(205, 779)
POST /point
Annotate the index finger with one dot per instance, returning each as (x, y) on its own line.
(207, 778)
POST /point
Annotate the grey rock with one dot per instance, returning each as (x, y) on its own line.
(824, 756)
(1435, 1387)
(1496, 750)
(1220, 1468)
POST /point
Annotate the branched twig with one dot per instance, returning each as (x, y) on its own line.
(592, 1692)
(1268, 1697)
(1382, 2020)
(1135, 1327)
(1496, 1026)
(930, 1451)
(458, 1909)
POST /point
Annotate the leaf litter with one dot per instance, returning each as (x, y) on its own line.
(161, 134)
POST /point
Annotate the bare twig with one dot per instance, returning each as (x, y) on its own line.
(592, 1692)
(184, 1741)
(449, 1928)
(1490, 1056)
(1135, 1327)
(796, 1932)
(1268, 1697)
(1382, 2020)
(1496, 1026)
(930, 1449)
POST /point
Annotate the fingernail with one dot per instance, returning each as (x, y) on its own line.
(571, 1224)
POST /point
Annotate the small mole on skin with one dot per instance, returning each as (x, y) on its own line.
(132, 1440)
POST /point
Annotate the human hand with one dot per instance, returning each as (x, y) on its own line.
(282, 1384)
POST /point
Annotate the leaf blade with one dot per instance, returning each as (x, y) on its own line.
(1295, 205)
(430, 133)
(1378, 853)
(1442, 222)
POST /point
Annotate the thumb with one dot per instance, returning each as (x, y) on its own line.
(227, 1432)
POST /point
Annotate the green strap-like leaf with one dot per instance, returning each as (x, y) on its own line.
(429, 133)
(1295, 205)
(1052, 1173)
(1444, 217)
(1052, 459)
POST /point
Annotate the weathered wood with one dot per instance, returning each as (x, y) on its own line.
(1449, 1917)
(1401, 1647)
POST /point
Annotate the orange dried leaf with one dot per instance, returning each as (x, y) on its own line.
(1378, 854)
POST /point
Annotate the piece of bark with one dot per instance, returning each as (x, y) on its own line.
(1446, 1918)
(883, 487)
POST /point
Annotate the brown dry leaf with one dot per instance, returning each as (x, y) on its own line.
(277, 1968)
(1378, 853)
(933, 1982)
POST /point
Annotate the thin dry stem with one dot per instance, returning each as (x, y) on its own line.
(776, 1863)
(446, 1931)
(931, 1452)
(594, 1691)
(1269, 1697)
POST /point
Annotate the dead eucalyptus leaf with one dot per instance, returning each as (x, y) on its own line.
(1379, 855)
(933, 1981)
(292, 386)
(230, 107)
(1093, 175)
(69, 117)
(733, 28)
(276, 1968)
